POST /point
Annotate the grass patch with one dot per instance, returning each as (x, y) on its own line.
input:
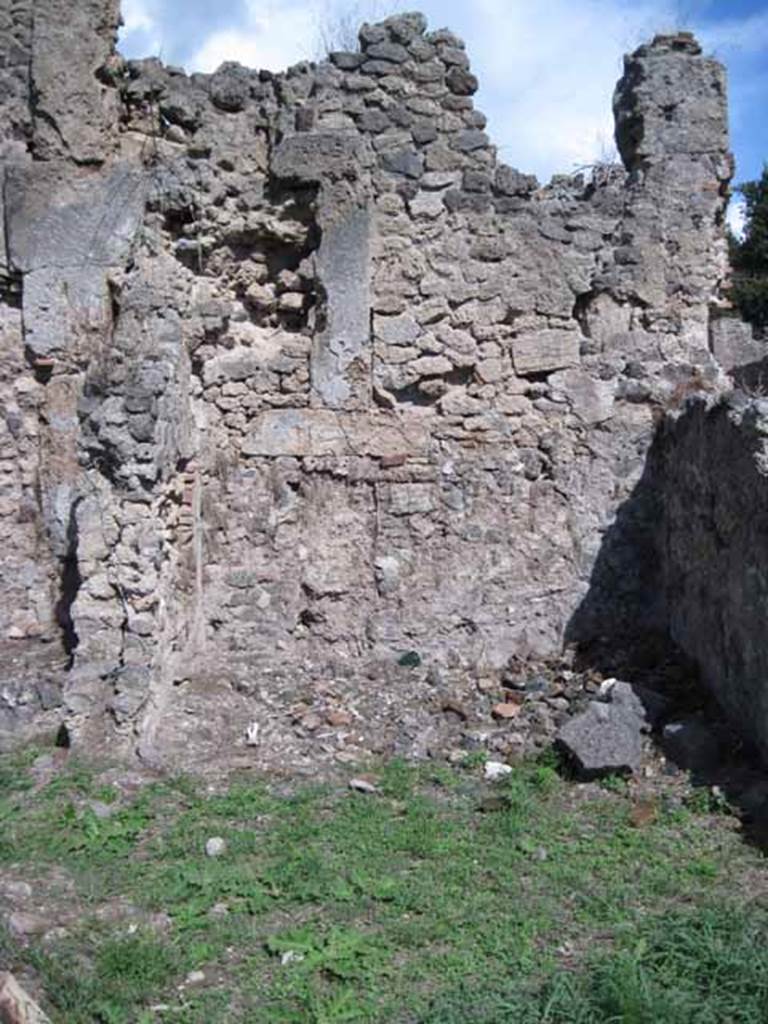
(112, 977)
(700, 966)
(440, 899)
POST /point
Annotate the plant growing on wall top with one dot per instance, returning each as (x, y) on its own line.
(338, 23)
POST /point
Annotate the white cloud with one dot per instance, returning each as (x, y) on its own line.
(737, 215)
(140, 27)
(274, 36)
(547, 76)
(136, 16)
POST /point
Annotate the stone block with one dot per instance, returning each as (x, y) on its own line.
(544, 351)
(470, 140)
(734, 344)
(16, 1005)
(61, 305)
(313, 156)
(63, 220)
(405, 162)
(374, 121)
(510, 182)
(461, 82)
(408, 499)
(396, 330)
(427, 206)
(346, 60)
(73, 113)
(379, 67)
(590, 398)
(604, 739)
(431, 366)
(424, 132)
(317, 432)
(231, 87)
(453, 56)
(395, 53)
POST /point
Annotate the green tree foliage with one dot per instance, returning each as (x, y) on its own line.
(749, 255)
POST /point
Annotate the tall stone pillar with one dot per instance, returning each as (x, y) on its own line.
(672, 132)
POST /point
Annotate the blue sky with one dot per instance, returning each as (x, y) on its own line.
(547, 70)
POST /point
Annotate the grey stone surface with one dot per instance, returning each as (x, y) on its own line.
(734, 345)
(73, 110)
(694, 745)
(668, 106)
(545, 351)
(510, 182)
(715, 558)
(341, 353)
(591, 399)
(405, 161)
(604, 739)
(318, 432)
(312, 157)
(648, 706)
(16, 1005)
(608, 736)
(59, 220)
(230, 88)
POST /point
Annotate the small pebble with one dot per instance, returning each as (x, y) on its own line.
(21, 925)
(102, 810)
(215, 846)
(291, 957)
(339, 718)
(17, 890)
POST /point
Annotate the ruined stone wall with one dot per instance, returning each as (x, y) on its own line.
(304, 380)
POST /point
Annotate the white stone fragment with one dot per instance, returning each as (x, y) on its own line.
(362, 786)
(495, 770)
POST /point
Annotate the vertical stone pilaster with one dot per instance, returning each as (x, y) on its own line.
(340, 367)
(341, 352)
(671, 115)
(73, 111)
